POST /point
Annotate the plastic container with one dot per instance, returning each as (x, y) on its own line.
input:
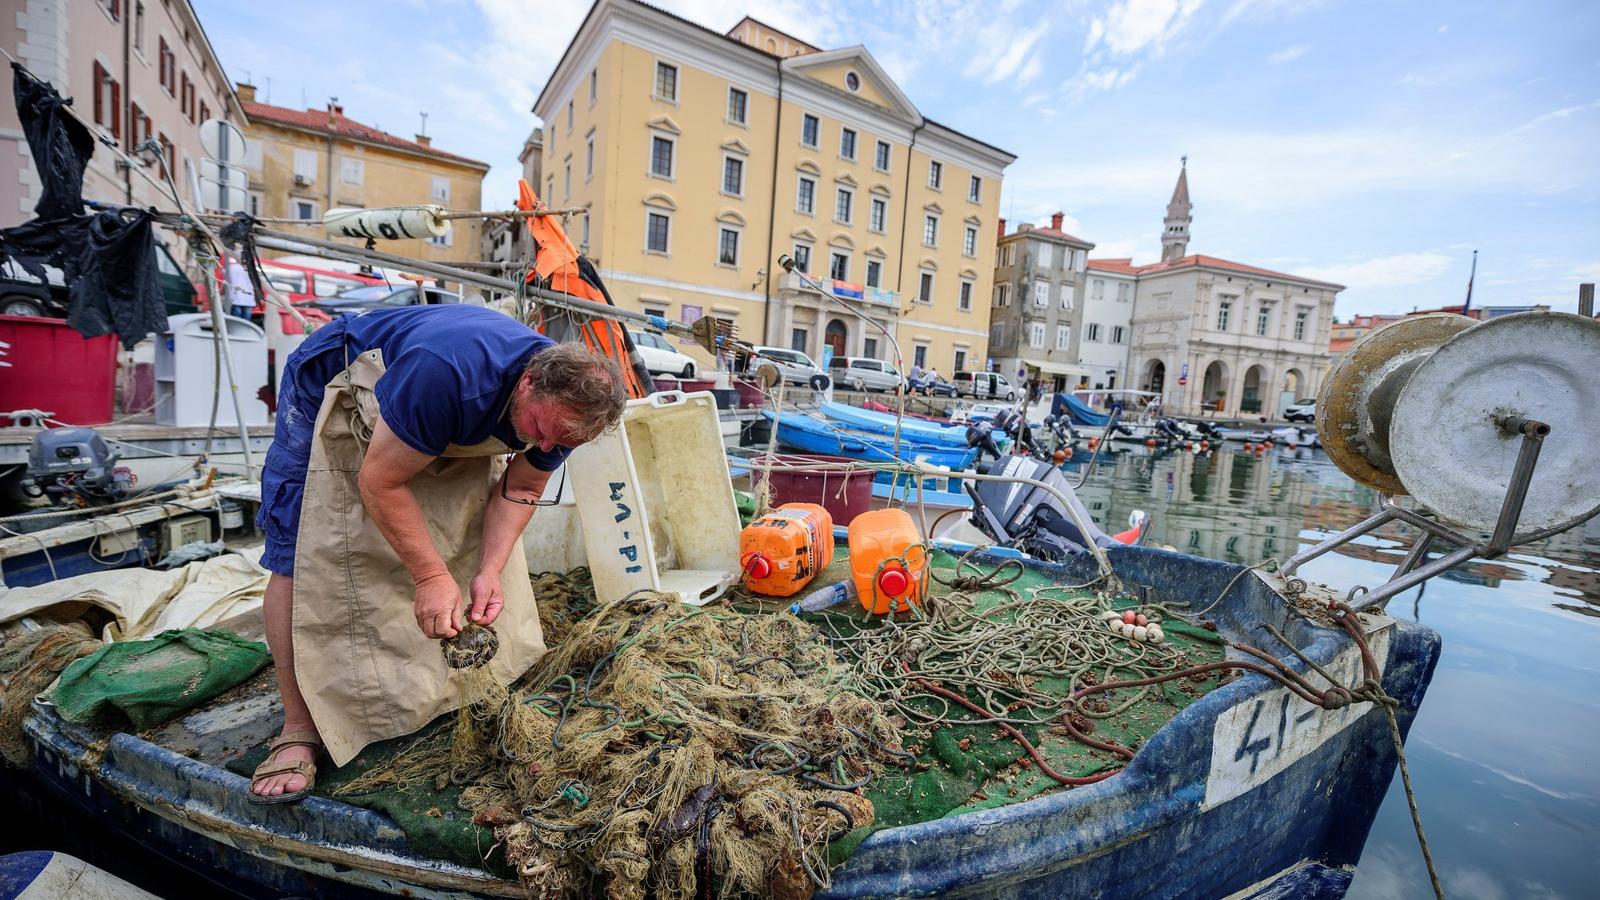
(54, 368)
(656, 502)
(750, 395)
(844, 495)
(888, 560)
(782, 551)
(187, 374)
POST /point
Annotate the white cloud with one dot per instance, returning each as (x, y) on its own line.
(1289, 54)
(1552, 116)
(1420, 79)
(1009, 44)
(1130, 26)
(1268, 9)
(1393, 270)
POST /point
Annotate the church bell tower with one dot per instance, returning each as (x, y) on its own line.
(1175, 227)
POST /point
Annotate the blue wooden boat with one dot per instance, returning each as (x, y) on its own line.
(810, 435)
(857, 419)
(1246, 792)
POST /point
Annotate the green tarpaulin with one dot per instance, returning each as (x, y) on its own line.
(152, 681)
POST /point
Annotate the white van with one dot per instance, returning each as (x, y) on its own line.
(797, 368)
(860, 373)
(984, 386)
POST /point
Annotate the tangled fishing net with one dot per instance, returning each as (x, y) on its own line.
(29, 662)
(665, 750)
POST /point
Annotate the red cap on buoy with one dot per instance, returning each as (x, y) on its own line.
(757, 567)
(893, 581)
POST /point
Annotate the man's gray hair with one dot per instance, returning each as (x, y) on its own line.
(589, 383)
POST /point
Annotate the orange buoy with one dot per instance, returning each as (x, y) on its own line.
(1094, 442)
(1186, 445)
(1068, 452)
(1249, 446)
(1149, 442)
(1205, 445)
(1059, 456)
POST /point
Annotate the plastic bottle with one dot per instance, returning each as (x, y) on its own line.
(780, 552)
(888, 560)
(822, 598)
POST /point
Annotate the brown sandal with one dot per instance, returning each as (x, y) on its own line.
(269, 768)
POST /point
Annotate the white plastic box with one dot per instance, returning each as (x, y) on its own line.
(187, 373)
(656, 503)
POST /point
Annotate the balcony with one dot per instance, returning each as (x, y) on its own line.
(845, 290)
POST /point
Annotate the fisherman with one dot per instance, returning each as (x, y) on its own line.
(388, 481)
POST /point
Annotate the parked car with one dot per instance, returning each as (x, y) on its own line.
(360, 300)
(305, 284)
(21, 294)
(934, 386)
(1301, 410)
(796, 367)
(862, 373)
(987, 385)
(661, 357)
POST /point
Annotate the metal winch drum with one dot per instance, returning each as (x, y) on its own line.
(1433, 406)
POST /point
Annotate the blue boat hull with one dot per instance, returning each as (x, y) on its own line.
(1242, 793)
(912, 428)
(811, 436)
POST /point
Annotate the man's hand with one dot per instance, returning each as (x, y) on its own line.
(438, 606)
(487, 598)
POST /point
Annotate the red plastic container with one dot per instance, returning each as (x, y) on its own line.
(55, 369)
(843, 496)
(750, 394)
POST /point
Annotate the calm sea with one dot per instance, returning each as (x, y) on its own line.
(1502, 753)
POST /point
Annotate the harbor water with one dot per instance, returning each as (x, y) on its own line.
(1501, 753)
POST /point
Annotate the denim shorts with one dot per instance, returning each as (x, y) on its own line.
(283, 475)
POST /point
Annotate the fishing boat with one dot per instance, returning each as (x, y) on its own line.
(807, 434)
(1138, 422)
(885, 423)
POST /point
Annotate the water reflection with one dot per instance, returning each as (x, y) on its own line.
(1501, 752)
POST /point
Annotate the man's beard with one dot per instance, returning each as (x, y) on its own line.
(512, 414)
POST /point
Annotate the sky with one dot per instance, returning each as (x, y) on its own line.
(1373, 143)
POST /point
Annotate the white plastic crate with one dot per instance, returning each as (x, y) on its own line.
(656, 503)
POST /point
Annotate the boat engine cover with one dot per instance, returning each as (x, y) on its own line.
(1027, 517)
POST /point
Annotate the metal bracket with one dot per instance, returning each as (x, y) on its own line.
(1416, 568)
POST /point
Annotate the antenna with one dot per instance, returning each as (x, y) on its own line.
(269, 90)
(424, 130)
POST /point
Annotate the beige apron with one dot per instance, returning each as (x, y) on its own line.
(367, 671)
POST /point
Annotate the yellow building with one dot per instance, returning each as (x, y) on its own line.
(703, 157)
(304, 162)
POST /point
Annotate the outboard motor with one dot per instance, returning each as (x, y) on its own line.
(1030, 519)
(75, 467)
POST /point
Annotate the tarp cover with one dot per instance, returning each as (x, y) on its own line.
(150, 682)
(61, 146)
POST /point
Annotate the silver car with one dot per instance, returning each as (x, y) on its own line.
(796, 367)
(859, 373)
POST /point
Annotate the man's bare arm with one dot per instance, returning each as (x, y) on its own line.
(503, 523)
(385, 483)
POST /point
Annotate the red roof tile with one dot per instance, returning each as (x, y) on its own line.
(323, 121)
(1126, 267)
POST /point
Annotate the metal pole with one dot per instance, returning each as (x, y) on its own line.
(1586, 300)
(1533, 435)
(1306, 556)
(1412, 579)
(219, 334)
(1415, 556)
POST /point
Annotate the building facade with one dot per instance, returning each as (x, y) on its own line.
(1036, 314)
(505, 240)
(1213, 335)
(704, 157)
(1107, 330)
(302, 163)
(140, 70)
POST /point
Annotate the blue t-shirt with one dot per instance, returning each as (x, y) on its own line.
(449, 372)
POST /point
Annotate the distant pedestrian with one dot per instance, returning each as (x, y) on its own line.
(241, 292)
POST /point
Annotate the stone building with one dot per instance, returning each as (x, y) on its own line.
(507, 239)
(1107, 328)
(1243, 340)
(704, 156)
(1036, 310)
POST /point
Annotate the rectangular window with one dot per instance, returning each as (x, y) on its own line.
(841, 205)
(879, 217)
(880, 160)
(661, 156)
(550, 187)
(1091, 332)
(138, 125)
(594, 85)
(806, 195)
(1097, 289)
(107, 101)
(964, 301)
(1002, 295)
(935, 174)
(738, 103)
(439, 190)
(305, 167)
(1300, 325)
(666, 82)
(925, 288)
(588, 159)
(1036, 335)
(205, 111)
(1063, 336)
(658, 232)
(168, 64)
(566, 176)
(919, 355)
(874, 273)
(802, 257)
(1263, 319)
(847, 143)
(1047, 255)
(585, 245)
(728, 247)
(183, 94)
(808, 130)
(839, 266)
(975, 189)
(138, 27)
(113, 9)
(1008, 254)
(969, 243)
(569, 117)
(1117, 334)
(170, 151)
(869, 346)
(960, 360)
(443, 240)
(1066, 296)
(351, 171)
(1223, 308)
(798, 339)
(1041, 293)
(305, 210)
(1123, 291)
(732, 176)
(930, 231)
